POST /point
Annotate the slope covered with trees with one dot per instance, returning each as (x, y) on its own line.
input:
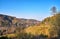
(50, 26)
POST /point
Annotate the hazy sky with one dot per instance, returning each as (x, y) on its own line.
(30, 9)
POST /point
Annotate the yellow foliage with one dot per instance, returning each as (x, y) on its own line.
(11, 35)
(42, 29)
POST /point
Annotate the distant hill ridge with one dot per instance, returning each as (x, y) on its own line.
(6, 20)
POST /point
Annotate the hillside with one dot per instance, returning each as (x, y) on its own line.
(10, 24)
(50, 26)
(6, 20)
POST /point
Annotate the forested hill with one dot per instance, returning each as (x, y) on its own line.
(50, 26)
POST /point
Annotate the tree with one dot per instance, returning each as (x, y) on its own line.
(54, 10)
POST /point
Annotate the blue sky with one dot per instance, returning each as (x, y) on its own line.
(29, 9)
